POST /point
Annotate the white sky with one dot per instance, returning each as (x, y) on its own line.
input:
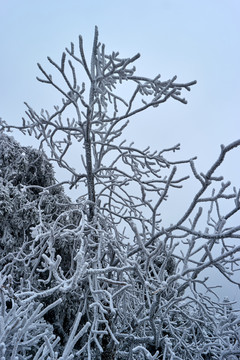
(192, 39)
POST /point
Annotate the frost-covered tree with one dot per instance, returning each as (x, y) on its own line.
(24, 173)
(132, 287)
(20, 166)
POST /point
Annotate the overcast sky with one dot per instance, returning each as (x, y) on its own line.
(191, 39)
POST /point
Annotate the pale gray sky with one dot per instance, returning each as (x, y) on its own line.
(192, 39)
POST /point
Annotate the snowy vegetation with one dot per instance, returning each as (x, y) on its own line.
(102, 277)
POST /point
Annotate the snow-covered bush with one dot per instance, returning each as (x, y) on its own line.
(23, 331)
(25, 209)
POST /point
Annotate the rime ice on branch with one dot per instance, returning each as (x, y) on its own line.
(100, 113)
(130, 287)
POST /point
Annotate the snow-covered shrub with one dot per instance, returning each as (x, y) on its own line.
(23, 331)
